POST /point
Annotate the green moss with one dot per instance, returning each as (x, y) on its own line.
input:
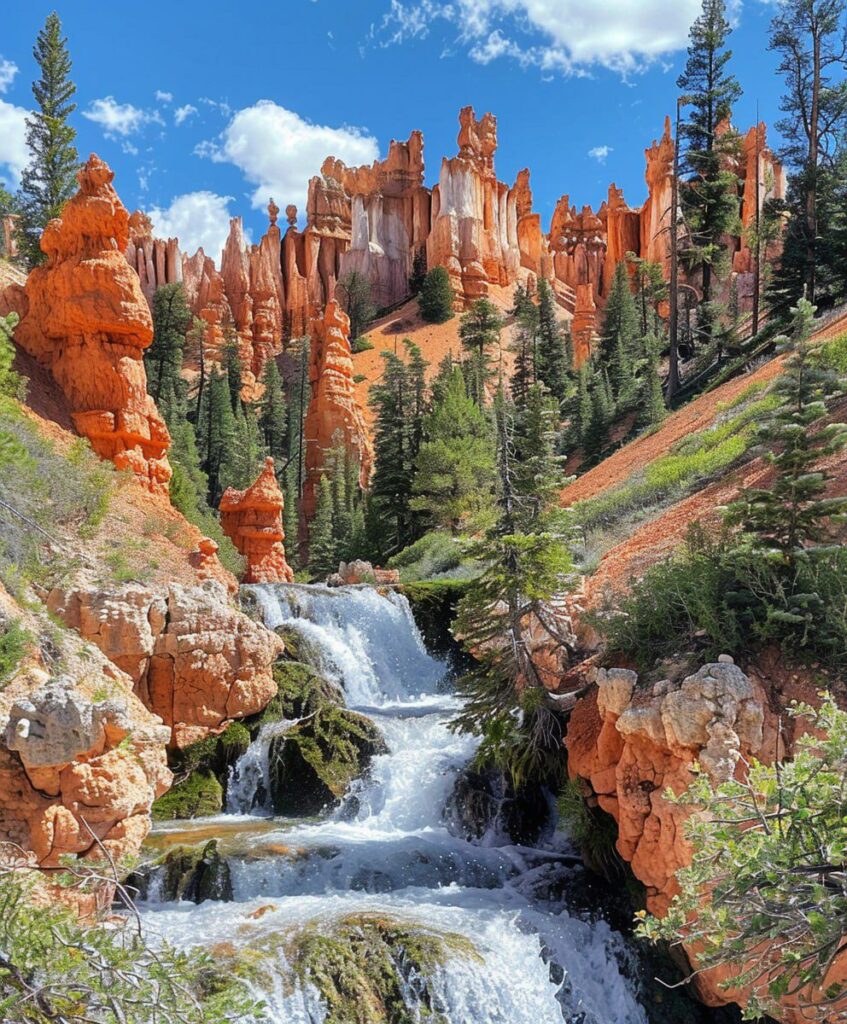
(313, 763)
(364, 967)
(300, 691)
(593, 830)
(196, 796)
(193, 873)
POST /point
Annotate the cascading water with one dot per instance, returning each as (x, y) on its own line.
(388, 852)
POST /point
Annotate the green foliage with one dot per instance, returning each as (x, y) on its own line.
(322, 548)
(49, 180)
(355, 291)
(454, 468)
(709, 202)
(551, 361)
(163, 359)
(12, 384)
(15, 641)
(793, 514)
(55, 969)
(593, 831)
(436, 297)
(764, 893)
(198, 796)
(480, 330)
(361, 344)
(272, 413)
(418, 275)
(524, 345)
(620, 340)
(436, 553)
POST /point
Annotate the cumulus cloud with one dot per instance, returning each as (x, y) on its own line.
(196, 219)
(278, 151)
(14, 155)
(566, 36)
(119, 118)
(183, 113)
(164, 97)
(599, 153)
(8, 70)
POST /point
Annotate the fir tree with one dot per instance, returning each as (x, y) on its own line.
(537, 473)
(291, 519)
(596, 434)
(454, 469)
(793, 515)
(620, 338)
(418, 275)
(651, 289)
(241, 465)
(49, 180)
(355, 291)
(709, 199)
(551, 363)
(480, 331)
(650, 405)
(217, 435)
(524, 345)
(272, 415)
(808, 36)
(297, 390)
(322, 553)
(195, 347)
(392, 479)
(232, 366)
(436, 298)
(163, 359)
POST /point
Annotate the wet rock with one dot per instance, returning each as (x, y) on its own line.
(485, 802)
(193, 873)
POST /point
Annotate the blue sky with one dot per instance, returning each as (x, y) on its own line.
(205, 109)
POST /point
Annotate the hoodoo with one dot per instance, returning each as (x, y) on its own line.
(86, 320)
(252, 519)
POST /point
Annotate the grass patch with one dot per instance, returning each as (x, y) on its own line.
(361, 344)
(436, 554)
(15, 641)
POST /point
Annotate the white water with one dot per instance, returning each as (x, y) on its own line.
(388, 851)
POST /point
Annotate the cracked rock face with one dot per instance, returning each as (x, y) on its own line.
(194, 659)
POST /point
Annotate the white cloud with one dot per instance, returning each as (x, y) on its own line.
(164, 97)
(119, 118)
(182, 113)
(599, 153)
(568, 36)
(278, 151)
(196, 219)
(8, 70)
(14, 155)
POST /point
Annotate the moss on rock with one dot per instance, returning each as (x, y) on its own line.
(197, 795)
(194, 873)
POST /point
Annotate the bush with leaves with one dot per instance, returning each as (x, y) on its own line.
(436, 297)
(766, 890)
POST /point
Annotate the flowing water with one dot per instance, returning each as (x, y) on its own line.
(388, 851)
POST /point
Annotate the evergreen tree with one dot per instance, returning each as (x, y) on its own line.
(651, 289)
(709, 199)
(418, 275)
(232, 366)
(551, 364)
(49, 180)
(442, 380)
(217, 435)
(793, 514)
(436, 298)
(195, 347)
(480, 330)
(596, 434)
(651, 399)
(355, 291)
(392, 399)
(291, 519)
(242, 463)
(454, 469)
(272, 414)
(163, 359)
(524, 345)
(322, 553)
(527, 562)
(808, 36)
(620, 340)
(297, 391)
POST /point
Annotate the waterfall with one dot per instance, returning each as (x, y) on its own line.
(387, 851)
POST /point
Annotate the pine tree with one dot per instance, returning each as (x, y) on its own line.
(49, 180)
(651, 399)
(163, 359)
(480, 330)
(808, 36)
(596, 432)
(241, 465)
(526, 562)
(355, 291)
(524, 345)
(217, 435)
(272, 415)
(195, 347)
(392, 400)
(709, 199)
(793, 515)
(552, 365)
(620, 338)
(651, 289)
(454, 469)
(297, 391)
(232, 366)
(322, 553)
(291, 517)
(418, 275)
(436, 298)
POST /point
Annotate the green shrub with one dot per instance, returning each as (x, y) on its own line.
(15, 641)
(435, 300)
(764, 893)
(361, 344)
(833, 354)
(434, 554)
(593, 830)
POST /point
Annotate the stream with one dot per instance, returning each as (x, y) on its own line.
(389, 849)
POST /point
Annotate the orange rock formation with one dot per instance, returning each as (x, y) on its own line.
(252, 519)
(584, 324)
(86, 320)
(334, 413)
